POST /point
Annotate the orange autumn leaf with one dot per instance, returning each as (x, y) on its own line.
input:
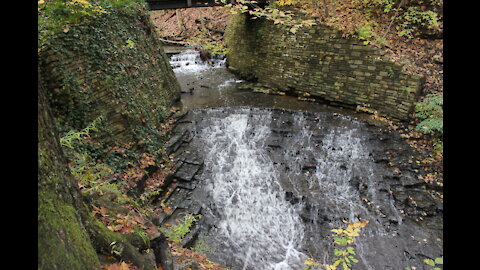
(115, 228)
(360, 224)
(102, 211)
(146, 160)
(118, 266)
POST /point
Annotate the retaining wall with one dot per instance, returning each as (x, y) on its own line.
(111, 65)
(317, 61)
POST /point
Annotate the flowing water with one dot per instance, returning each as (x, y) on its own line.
(271, 183)
(244, 179)
(205, 86)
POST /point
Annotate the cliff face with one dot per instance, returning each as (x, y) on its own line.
(111, 65)
(317, 61)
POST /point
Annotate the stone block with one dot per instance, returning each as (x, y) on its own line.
(321, 56)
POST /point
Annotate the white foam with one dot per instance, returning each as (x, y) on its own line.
(189, 61)
(259, 223)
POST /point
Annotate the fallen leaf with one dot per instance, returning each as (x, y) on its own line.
(118, 266)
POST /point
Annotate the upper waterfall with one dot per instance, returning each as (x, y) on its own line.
(189, 61)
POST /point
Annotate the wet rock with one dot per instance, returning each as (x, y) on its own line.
(310, 167)
(175, 217)
(189, 91)
(186, 156)
(191, 206)
(189, 240)
(178, 196)
(187, 185)
(159, 219)
(293, 199)
(274, 143)
(338, 171)
(163, 256)
(175, 142)
(186, 172)
(411, 181)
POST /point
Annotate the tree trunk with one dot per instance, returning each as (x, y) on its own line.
(69, 237)
(325, 6)
(179, 21)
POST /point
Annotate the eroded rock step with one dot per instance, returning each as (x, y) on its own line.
(400, 198)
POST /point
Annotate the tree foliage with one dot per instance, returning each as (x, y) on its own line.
(408, 19)
(271, 12)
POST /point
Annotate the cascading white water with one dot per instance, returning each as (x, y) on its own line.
(339, 157)
(258, 226)
(333, 180)
(189, 61)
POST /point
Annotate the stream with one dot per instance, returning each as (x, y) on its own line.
(272, 176)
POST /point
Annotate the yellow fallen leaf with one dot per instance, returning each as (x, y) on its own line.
(353, 233)
(360, 224)
(337, 231)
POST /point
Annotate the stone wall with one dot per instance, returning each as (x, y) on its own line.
(319, 62)
(111, 65)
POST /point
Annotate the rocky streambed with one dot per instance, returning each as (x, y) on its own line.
(271, 184)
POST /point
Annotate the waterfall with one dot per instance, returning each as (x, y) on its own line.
(258, 226)
(189, 61)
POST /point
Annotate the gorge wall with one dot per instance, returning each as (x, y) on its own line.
(317, 61)
(111, 65)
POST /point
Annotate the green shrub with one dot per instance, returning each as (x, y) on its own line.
(430, 111)
(344, 251)
(383, 5)
(202, 247)
(73, 136)
(431, 125)
(413, 19)
(365, 33)
(177, 232)
(82, 162)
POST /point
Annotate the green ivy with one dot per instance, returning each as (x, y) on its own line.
(56, 16)
(108, 52)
